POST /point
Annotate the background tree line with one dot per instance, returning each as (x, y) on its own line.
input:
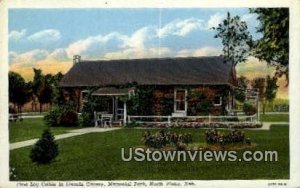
(43, 89)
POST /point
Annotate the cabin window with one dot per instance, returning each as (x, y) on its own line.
(180, 99)
(217, 101)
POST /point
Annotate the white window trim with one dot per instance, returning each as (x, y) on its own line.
(220, 103)
(185, 100)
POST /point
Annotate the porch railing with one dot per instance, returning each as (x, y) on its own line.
(147, 119)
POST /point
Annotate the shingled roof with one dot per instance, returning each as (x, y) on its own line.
(156, 71)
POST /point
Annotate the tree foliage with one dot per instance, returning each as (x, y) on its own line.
(45, 87)
(273, 46)
(45, 150)
(236, 39)
(271, 88)
(19, 90)
(239, 93)
(267, 89)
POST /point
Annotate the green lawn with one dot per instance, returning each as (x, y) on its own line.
(274, 117)
(31, 128)
(97, 156)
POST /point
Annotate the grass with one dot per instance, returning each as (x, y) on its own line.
(97, 156)
(274, 117)
(32, 128)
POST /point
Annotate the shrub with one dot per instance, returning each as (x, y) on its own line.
(200, 102)
(91, 105)
(239, 95)
(132, 124)
(62, 115)
(45, 150)
(52, 118)
(69, 118)
(249, 109)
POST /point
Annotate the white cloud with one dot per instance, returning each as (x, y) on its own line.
(138, 38)
(85, 46)
(215, 20)
(180, 27)
(47, 35)
(17, 35)
(59, 54)
(133, 53)
(95, 46)
(205, 51)
(29, 57)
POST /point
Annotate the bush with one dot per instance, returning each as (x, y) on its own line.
(62, 115)
(132, 124)
(45, 150)
(91, 105)
(69, 118)
(249, 109)
(52, 118)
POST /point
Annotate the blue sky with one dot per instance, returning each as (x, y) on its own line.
(63, 27)
(48, 38)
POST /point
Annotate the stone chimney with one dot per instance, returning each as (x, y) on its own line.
(76, 59)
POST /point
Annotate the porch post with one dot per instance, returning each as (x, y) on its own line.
(125, 114)
(113, 107)
(116, 109)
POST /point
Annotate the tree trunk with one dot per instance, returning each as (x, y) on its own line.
(41, 108)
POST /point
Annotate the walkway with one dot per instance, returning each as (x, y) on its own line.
(267, 125)
(71, 133)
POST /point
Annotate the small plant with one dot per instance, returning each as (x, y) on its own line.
(45, 150)
(12, 173)
(132, 124)
(248, 141)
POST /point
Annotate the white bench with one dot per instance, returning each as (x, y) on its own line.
(104, 118)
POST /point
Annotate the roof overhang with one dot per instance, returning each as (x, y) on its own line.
(112, 91)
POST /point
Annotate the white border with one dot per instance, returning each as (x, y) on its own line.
(294, 87)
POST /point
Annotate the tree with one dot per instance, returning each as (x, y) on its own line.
(19, 90)
(45, 149)
(236, 39)
(240, 93)
(45, 87)
(271, 88)
(267, 89)
(37, 85)
(273, 46)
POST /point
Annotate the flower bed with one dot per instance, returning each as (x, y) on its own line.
(201, 125)
(216, 137)
(162, 139)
